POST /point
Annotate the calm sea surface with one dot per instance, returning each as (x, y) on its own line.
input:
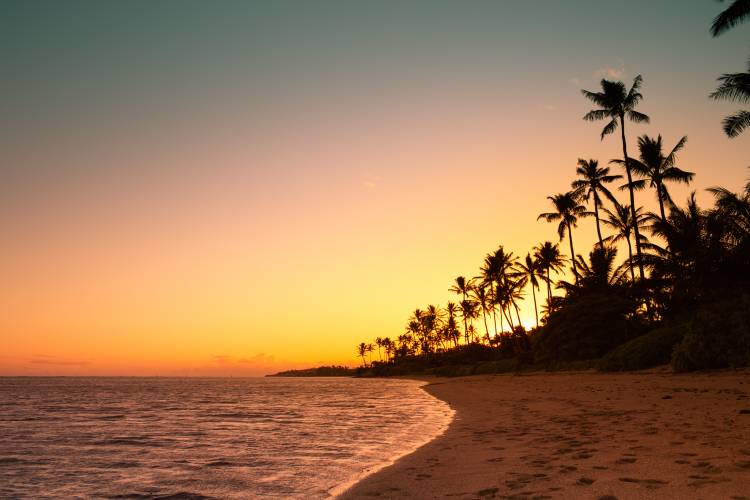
(204, 438)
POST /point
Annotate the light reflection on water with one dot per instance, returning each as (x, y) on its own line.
(197, 438)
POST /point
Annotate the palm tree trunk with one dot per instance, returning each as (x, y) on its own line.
(484, 316)
(518, 315)
(466, 329)
(630, 254)
(596, 215)
(632, 196)
(549, 287)
(661, 202)
(508, 317)
(572, 254)
(536, 312)
(494, 315)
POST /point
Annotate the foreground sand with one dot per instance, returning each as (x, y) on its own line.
(581, 435)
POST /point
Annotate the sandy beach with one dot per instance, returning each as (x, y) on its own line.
(581, 435)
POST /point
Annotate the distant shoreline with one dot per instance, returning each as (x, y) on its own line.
(580, 435)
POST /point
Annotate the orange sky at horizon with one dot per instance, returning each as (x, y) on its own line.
(209, 240)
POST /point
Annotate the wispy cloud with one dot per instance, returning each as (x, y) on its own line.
(612, 72)
(370, 181)
(44, 359)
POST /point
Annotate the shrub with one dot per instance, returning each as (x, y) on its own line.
(586, 327)
(649, 350)
(717, 337)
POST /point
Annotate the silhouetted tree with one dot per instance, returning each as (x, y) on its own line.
(657, 168)
(567, 211)
(550, 259)
(737, 11)
(734, 87)
(616, 103)
(620, 220)
(591, 184)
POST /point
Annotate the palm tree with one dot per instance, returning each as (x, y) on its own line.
(591, 184)
(462, 286)
(489, 273)
(734, 87)
(657, 168)
(615, 103)
(388, 344)
(550, 259)
(567, 211)
(469, 312)
(361, 351)
(730, 17)
(451, 328)
(530, 268)
(370, 348)
(620, 221)
(483, 300)
(598, 273)
(379, 343)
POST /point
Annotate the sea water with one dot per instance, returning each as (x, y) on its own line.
(193, 438)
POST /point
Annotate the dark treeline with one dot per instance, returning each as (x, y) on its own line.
(680, 295)
(320, 371)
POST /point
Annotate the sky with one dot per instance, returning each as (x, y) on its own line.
(234, 188)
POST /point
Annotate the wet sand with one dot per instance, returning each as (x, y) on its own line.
(581, 435)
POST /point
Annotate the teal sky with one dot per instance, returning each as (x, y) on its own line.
(188, 169)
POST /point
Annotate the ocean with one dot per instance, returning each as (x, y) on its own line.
(192, 438)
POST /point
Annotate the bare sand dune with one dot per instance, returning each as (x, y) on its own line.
(582, 435)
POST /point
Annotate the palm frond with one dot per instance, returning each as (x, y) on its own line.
(730, 17)
(733, 125)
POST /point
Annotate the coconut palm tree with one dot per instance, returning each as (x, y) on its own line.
(379, 343)
(592, 184)
(657, 168)
(530, 268)
(734, 87)
(488, 274)
(451, 327)
(567, 210)
(361, 351)
(370, 348)
(598, 273)
(479, 293)
(733, 15)
(461, 286)
(470, 312)
(615, 102)
(620, 221)
(548, 256)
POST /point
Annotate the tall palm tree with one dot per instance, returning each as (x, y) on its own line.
(370, 348)
(737, 11)
(657, 168)
(488, 274)
(469, 311)
(530, 268)
(461, 286)
(567, 211)
(361, 351)
(616, 103)
(483, 300)
(550, 259)
(620, 221)
(734, 87)
(379, 343)
(591, 184)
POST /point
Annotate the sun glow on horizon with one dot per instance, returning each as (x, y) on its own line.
(240, 190)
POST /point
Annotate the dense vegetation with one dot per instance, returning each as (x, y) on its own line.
(320, 371)
(681, 295)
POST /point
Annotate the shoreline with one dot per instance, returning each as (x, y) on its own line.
(634, 435)
(338, 490)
